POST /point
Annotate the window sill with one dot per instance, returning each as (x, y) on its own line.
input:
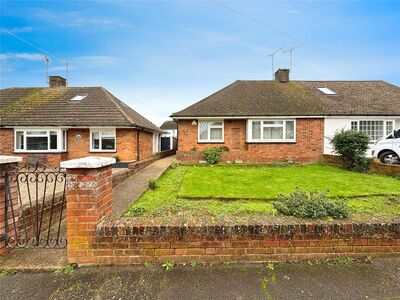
(272, 142)
(102, 151)
(210, 142)
(39, 152)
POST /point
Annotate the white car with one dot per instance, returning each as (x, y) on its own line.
(387, 149)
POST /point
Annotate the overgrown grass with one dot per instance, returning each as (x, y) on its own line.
(270, 181)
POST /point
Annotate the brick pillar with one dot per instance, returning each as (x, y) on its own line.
(89, 199)
(7, 163)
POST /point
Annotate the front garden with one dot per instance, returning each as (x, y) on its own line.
(246, 190)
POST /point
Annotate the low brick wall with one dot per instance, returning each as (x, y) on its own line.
(386, 169)
(165, 153)
(375, 166)
(51, 209)
(133, 168)
(248, 156)
(120, 242)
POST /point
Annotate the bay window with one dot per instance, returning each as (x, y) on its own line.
(102, 140)
(375, 129)
(270, 131)
(211, 131)
(40, 140)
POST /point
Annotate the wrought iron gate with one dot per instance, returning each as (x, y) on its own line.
(34, 207)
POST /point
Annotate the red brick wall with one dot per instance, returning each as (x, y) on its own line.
(126, 146)
(89, 199)
(6, 141)
(309, 145)
(146, 145)
(120, 242)
(375, 166)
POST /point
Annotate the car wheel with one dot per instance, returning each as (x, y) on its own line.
(389, 157)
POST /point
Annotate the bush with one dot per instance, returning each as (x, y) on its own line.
(311, 205)
(351, 146)
(213, 155)
(152, 184)
(117, 159)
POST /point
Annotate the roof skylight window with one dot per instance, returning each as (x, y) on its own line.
(327, 91)
(79, 97)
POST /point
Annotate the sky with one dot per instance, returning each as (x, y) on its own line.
(162, 56)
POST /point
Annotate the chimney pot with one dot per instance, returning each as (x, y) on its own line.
(282, 75)
(57, 81)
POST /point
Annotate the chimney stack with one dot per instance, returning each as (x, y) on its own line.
(282, 75)
(57, 81)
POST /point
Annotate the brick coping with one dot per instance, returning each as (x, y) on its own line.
(175, 228)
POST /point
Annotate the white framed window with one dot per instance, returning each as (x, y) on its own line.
(271, 131)
(375, 129)
(103, 140)
(211, 131)
(40, 140)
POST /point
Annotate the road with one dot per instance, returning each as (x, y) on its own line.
(379, 279)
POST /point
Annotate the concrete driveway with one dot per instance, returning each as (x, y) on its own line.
(128, 191)
(358, 280)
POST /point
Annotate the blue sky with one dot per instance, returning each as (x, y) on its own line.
(160, 57)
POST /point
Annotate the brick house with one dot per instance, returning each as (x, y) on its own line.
(59, 123)
(280, 120)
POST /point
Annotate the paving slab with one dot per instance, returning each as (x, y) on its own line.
(34, 259)
(358, 280)
(128, 191)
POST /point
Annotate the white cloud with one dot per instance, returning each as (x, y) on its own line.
(79, 19)
(95, 60)
(294, 11)
(20, 29)
(23, 55)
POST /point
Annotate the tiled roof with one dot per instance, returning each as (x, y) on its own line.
(298, 98)
(54, 107)
(169, 125)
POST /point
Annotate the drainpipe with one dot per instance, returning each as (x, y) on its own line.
(137, 145)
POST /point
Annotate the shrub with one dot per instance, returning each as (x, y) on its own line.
(213, 155)
(351, 146)
(152, 184)
(310, 205)
(117, 159)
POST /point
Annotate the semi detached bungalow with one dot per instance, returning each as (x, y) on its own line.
(280, 120)
(59, 123)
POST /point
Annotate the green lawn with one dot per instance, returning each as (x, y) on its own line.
(263, 182)
(267, 182)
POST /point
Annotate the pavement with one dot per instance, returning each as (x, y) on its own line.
(128, 191)
(358, 280)
(34, 259)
